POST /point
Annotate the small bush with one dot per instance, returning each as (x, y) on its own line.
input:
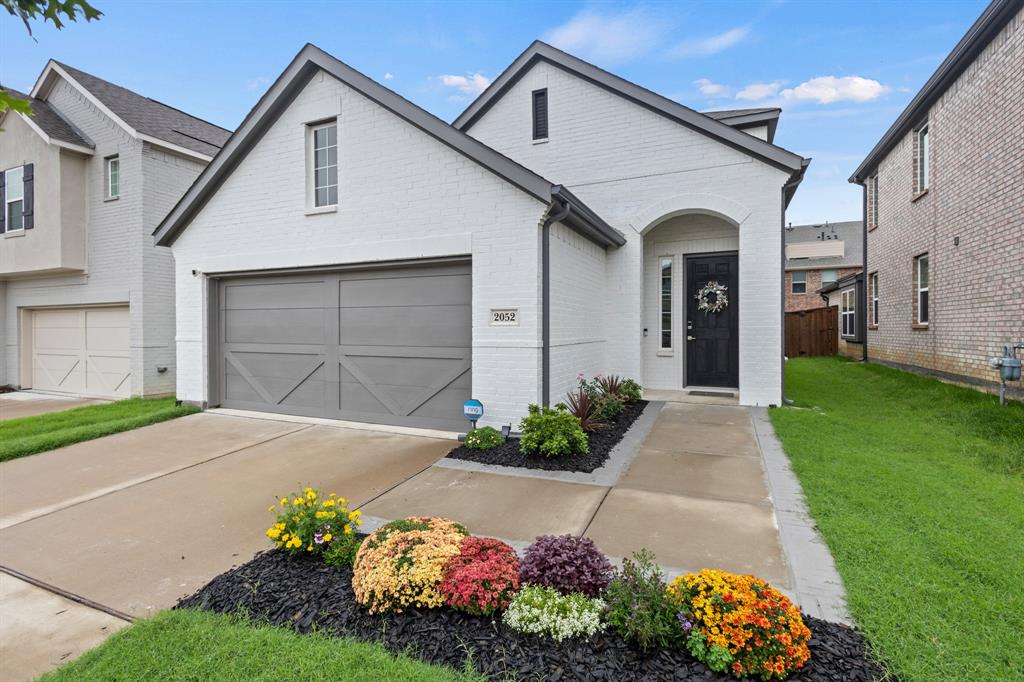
(631, 391)
(640, 609)
(483, 578)
(566, 563)
(543, 611)
(309, 523)
(740, 624)
(552, 432)
(609, 407)
(484, 438)
(342, 551)
(579, 404)
(402, 563)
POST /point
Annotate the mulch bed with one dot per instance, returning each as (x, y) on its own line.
(304, 593)
(601, 444)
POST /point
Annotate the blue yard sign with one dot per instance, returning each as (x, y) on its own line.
(473, 409)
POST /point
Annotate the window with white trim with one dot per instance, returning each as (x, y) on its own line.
(666, 303)
(828, 277)
(324, 160)
(873, 285)
(799, 285)
(14, 204)
(848, 313)
(922, 159)
(922, 289)
(113, 173)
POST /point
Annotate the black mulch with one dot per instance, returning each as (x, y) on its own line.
(601, 444)
(303, 593)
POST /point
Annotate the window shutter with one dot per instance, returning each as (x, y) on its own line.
(3, 202)
(27, 202)
(540, 114)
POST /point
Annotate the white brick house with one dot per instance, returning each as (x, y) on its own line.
(86, 302)
(349, 255)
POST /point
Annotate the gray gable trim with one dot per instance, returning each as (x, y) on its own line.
(977, 38)
(540, 51)
(749, 118)
(308, 62)
(52, 123)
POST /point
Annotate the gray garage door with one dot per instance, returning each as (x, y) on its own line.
(385, 345)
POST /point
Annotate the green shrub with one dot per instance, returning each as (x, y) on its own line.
(552, 433)
(609, 407)
(342, 552)
(630, 391)
(640, 609)
(484, 438)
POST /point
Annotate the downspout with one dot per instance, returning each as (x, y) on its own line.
(545, 259)
(864, 272)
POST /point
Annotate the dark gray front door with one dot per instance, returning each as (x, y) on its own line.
(383, 345)
(712, 339)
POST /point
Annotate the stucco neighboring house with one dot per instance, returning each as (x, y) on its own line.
(944, 210)
(818, 256)
(349, 255)
(86, 302)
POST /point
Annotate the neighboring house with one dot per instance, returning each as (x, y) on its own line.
(818, 256)
(944, 209)
(845, 294)
(349, 255)
(86, 302)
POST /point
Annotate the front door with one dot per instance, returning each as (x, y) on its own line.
(712, 320)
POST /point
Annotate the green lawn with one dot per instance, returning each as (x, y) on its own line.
(200, 646)
(918, 488)
(29, 435)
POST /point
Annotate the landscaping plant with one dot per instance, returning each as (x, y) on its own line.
(740, 624)
(402, 563)
(310, 523)
(342, 551)
(482, 578)
(552, 432)
(484, 438)
(630, 391)
(579, 404)
(544, 611)
(611, 385)
(609, 407)
(640, 608)
(567, 564)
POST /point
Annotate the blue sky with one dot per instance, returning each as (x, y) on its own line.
(841, 71)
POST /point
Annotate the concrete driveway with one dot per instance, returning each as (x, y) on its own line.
(134, 521)
(27, 404)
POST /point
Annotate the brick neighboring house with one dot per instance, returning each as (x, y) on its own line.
(817, 256)
(944, 209)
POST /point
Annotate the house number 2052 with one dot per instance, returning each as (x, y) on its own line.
(504, 317)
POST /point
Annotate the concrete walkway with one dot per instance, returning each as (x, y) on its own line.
(28, 404)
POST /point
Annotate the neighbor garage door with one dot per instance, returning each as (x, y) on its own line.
(384, 345)
(81, 351)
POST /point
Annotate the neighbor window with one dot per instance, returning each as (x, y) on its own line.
(922, 159)
(325, 164)
(800, 282)
(873, 285)
(848, 313)
(922, 289)
(540, 114)
(666, 303)
(14, 184)
(113, 177)
(828, 277)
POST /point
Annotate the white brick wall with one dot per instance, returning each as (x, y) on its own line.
(623, 160)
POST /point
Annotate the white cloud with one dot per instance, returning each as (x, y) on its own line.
(607, 38)
(471, 84)
(756, 91)
(389, 76)
(710, 45)
(828, 89)
(257, 83)
(710, 89)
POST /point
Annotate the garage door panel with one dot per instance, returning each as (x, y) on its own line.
(275, 325)
(438, 326)
(58, 338)
(81, 351)
(406, 291)
(414, 371)
(442, 405)
(101, 339)
(283, 294)
(273, 365)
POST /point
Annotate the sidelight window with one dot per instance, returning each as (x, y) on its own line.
(666, 303)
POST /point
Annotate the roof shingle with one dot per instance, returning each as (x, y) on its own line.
(51, 123)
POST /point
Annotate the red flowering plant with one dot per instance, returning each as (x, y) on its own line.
(482, 578)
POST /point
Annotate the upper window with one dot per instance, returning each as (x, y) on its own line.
(828, 277)
(799, 282)
(922, 159)
(922, 289)
(848, 313)
(14, 204)
(113, 177)
(325, 164)
(540, 114)
(873, 285)
(666, 303)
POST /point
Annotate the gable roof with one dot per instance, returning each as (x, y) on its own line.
(311, 60)
(141, 116)
(51, 126)
(744, 119)
(978, 36)
(850, 232)
(540, 51)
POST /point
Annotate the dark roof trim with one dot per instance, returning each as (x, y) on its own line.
(540, 51)
(794, 182)
(744, 119)
(843, 283)
(279, 96)
(977, 38)
(582, 219)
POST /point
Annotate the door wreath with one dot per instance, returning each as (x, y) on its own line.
(704, 297)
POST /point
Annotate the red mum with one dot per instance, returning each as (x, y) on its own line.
(482, 578)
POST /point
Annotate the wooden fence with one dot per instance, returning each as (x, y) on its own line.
(812, 332)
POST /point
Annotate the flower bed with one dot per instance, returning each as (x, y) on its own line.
(601, 444)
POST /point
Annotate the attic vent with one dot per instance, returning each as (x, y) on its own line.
(540, 114)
